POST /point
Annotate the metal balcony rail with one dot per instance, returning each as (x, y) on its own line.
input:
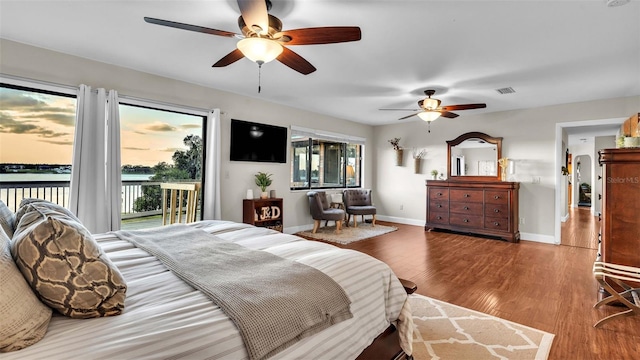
(12, 193)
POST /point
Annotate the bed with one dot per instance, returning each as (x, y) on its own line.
(166, 318)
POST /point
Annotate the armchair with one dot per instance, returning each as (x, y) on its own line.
(320, 210)
(358, 202)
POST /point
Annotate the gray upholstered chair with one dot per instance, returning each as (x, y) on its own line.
(320, 210)
(358, 202)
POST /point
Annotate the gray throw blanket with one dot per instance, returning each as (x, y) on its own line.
(273, 301)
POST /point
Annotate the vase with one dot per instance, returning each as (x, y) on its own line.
(399, 154)
(416, 165)
(264, 195)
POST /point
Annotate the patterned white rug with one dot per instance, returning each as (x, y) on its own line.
(347, 234)
(446, 331)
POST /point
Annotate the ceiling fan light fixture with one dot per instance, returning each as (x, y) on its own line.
(260, 50)
(430, 104)
(429, 115)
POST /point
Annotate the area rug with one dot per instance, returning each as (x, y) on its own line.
(446, 331)
(347, 234)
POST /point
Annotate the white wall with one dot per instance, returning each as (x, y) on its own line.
(39, 64)
(529, 138)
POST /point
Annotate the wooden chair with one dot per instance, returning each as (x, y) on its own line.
(176, 193)
(622, 277)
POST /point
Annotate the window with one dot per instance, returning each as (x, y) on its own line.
(321, 160)
(158, 145)
(37, 127)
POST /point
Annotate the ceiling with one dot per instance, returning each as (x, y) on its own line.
(549, 52)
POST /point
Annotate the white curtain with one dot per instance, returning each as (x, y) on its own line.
(113, 186)
(211, 206)
(94, 194)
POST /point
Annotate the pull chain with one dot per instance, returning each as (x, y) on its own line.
(259, 76)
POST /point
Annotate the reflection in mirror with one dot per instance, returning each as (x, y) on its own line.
(474, 155)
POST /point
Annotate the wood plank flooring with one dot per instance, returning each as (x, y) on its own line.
(581, 229)
(548, 287)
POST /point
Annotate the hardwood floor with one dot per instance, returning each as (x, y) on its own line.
(581, 229)
(548, 287)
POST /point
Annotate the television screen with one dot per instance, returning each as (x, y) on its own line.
(258, 142)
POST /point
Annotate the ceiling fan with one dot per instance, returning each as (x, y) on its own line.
(430, 108)
(263, 40)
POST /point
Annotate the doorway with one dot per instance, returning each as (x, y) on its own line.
(569, 217)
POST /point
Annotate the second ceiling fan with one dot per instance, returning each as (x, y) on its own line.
(430, 108)
(263, 40)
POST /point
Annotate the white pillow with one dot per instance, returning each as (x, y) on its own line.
(23, 318)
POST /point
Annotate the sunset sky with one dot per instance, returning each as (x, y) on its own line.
(38, 128)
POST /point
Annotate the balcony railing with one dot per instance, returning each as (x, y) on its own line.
(12, 193)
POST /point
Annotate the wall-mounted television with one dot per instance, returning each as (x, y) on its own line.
(258, 142)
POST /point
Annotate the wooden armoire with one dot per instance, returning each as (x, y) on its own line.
(620, 225)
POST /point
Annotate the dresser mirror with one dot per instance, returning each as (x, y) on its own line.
(474, 156)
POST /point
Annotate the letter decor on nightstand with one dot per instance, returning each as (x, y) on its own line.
(263, 213)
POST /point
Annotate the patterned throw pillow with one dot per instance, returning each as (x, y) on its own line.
(7, 219)
(64, 265)
(23, 318)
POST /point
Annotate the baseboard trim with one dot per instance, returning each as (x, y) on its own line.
(417, 222)
(546, 239)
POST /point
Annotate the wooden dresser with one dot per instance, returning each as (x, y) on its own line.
(477, 207)
(620, 226)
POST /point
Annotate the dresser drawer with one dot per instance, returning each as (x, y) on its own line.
(496, 210)
(439, 218)
(496, 197)
(471, 221)
(436, 193)
(465, 195)
(469, 208)
(497, 223)
(439, 206)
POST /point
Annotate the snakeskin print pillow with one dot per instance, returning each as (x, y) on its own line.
(23, 318)
(64, 265)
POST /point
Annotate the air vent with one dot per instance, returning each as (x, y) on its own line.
(507, 90)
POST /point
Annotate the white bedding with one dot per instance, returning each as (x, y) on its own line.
(165, 318)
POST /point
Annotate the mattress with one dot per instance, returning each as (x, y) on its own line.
(165, 318)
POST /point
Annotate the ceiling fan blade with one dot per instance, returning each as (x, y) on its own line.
(408, 116)
(400, 109)
(229, 59)
(254, 13)
(464, 107)
(195, 28)
(295, 61)
(449, 115)
(322, 35)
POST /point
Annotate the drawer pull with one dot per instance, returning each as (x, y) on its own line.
(439, 194)
(466, 208)
(496, 210)
(466, 195)
(439, 205)
(496, 197)
(439, 218)
(496, 223)
(465, 220)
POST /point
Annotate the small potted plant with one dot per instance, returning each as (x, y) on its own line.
(434, 174)
(263, 180)
(395, 142)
